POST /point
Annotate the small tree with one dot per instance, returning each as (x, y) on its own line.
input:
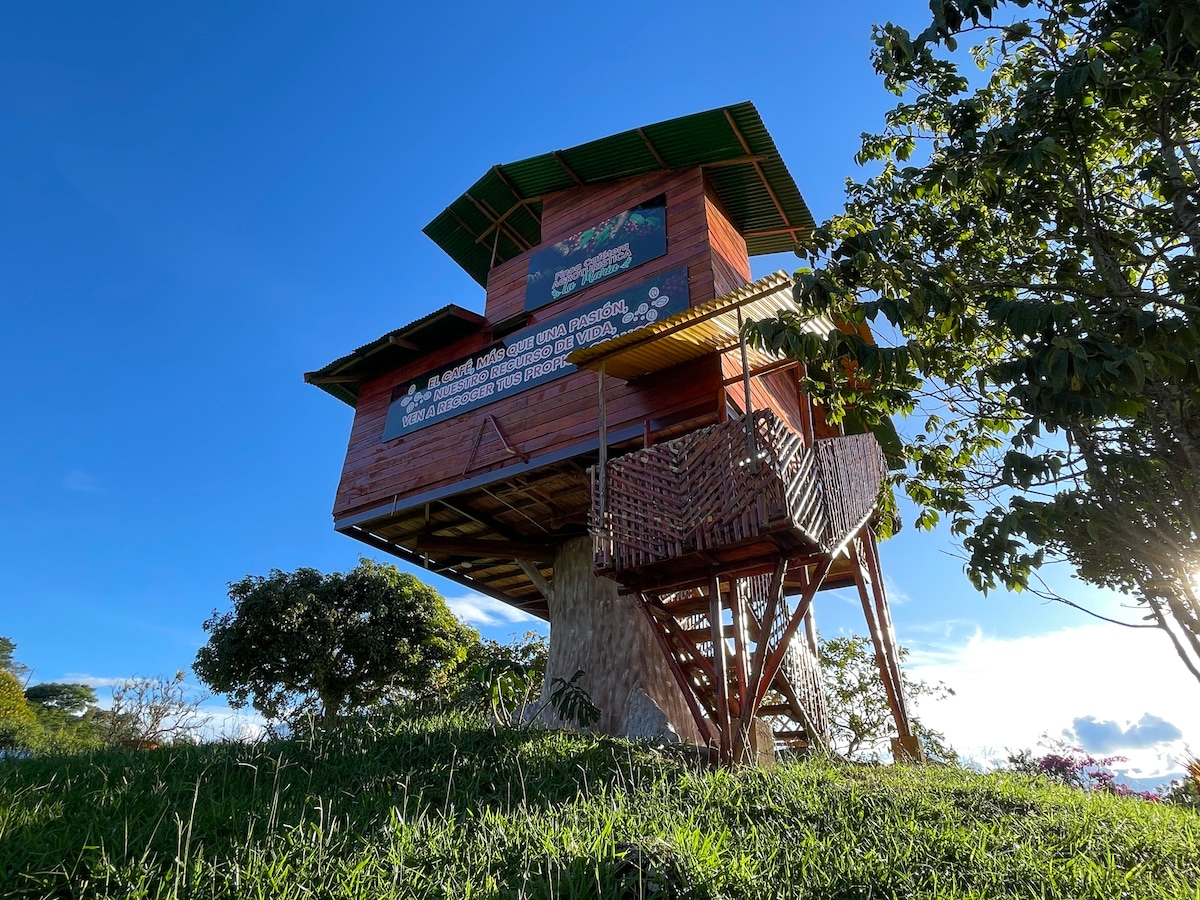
(859, 715)
(18, 724)
(330, 644)
(154, 711)
(504, 679)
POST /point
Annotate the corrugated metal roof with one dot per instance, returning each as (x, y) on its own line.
(708, 328)
(343, 377)
(500, 214)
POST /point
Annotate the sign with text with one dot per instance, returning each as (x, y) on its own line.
(605, 249)
(531, 356)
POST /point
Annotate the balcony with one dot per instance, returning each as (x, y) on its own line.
(729, 496)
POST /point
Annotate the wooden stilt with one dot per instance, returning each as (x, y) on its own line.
(868, 580)
(810, 632)
(721, 677)
(741, 643)
(771, 668)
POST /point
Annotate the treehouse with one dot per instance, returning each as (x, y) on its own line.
(600, 448)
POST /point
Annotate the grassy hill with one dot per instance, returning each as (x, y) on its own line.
(445, 806)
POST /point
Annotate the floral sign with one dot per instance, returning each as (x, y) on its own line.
(532, 356)
(605, 249)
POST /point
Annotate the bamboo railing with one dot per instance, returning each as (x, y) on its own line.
(703, 491)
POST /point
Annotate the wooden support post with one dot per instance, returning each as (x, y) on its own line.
(744, 722)
(751, 442)
(868, 580)
(906, 747)
(603, 463)
(771, 667)
(810, 633)
(721, 677)
(752, 698)
(534, 574)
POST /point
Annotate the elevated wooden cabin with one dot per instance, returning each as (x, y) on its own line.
(483, 444)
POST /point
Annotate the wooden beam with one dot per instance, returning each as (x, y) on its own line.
(748, 159)
(492, 216)
(402, 343)
(415, 558)
(793, 230)
(499, 173)
(331, 379)
(535, 575)
(869, 581)
(758, 371)
(758, 168)
(485, 520)
(771, 667)
(463, 225)
(721, 678)
(662, 163)
(558, 158)
(482, 548)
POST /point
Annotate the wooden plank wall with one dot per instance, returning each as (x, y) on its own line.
(777, 391)
(536, 422)
(562, 412)
(730, 262)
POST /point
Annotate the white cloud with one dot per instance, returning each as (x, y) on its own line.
(896, 595)
(93, 681)
(228, 724)
(477, 609)
(1011, 692)
(81, 482)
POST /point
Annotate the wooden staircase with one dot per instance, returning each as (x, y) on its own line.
(725, 536)
(734, 650)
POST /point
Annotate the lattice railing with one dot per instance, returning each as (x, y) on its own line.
(702, 491)
(851, 469)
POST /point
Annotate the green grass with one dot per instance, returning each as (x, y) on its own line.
(444, 806)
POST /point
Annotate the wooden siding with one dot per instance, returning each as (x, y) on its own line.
(776, 391)
(537, 422)
(730, 262)
(562, 413)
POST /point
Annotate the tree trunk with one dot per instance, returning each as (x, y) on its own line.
(595, 629)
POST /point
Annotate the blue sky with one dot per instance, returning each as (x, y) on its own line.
(203, 201)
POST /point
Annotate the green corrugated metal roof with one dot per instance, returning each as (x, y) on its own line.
(755, 187)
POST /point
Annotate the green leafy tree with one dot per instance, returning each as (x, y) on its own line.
(71, 699)
(860, 718)
(7, 663)
(1038, 273)
(331, 644)
(18, 723)
(67, 716)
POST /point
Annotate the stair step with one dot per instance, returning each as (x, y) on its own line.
(775, 709)
(687, 607)
(787, 736)
(699, 635)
